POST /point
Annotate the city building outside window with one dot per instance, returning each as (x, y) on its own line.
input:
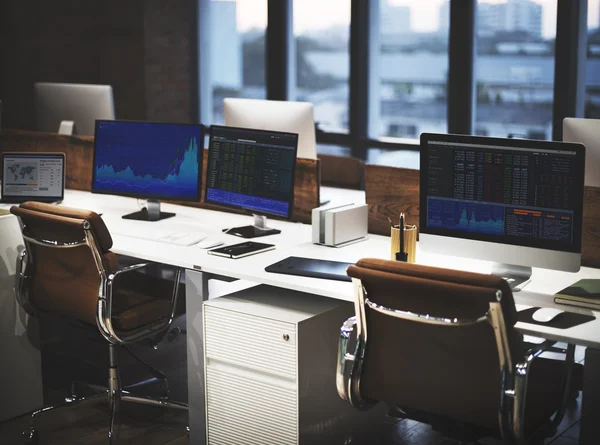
(322, 37)
(514, 68)
(592, 85)
(237, 51)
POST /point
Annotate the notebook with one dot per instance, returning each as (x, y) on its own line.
(32, 177)
(584, 293)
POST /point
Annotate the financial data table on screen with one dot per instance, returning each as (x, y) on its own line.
(520, 194)
(252, 169)
(152, 160)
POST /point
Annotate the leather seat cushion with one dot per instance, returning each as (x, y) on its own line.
(132, 310)
(141, 299)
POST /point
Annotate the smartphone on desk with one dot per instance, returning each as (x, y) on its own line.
(242, 249)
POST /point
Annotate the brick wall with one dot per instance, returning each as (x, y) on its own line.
(142, 48)
(170, 60)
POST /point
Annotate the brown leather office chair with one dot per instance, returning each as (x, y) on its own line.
(440, 347)
(68, 270)
(342, 171)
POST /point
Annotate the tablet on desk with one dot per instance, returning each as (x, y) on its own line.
(242, 249)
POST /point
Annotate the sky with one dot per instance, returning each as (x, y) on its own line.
(320, 14)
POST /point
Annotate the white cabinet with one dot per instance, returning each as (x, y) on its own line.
(20, 362)
(270, 358)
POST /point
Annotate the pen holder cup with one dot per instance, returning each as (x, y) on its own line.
(410, 242)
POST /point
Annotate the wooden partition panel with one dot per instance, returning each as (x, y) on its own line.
(79, 153)
(389, 191)
(590, 244)
(342, 171)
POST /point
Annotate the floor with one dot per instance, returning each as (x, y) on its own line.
(155, 426)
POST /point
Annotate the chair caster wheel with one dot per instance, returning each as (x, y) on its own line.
(31, 437)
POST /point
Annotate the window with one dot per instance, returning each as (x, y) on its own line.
(335, 150)
(237, 51)
(322, 34)
(514, 67)
(413, 68)
(394, 158)
(400, 79)
(592, 81)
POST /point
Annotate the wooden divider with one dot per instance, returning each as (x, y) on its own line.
(590, 244)
(79, 154)
(391, 190)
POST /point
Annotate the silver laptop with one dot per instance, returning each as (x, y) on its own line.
(32, 177)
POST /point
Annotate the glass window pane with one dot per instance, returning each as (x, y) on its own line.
(322, 34)
(237, 51)
(413, 68)
(335, 150)
(514, 68)
(592, 83)
(394, 158)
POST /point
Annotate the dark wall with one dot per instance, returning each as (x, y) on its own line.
(141, 48)
(170, 60)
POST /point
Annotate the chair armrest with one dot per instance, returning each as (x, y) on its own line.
(521, 377)
(535, 349)
(343, 386)
(104, 313)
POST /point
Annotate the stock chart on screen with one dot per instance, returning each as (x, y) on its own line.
(147, 159)
(516, 192)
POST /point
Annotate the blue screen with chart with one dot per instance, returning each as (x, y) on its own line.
(149, 160)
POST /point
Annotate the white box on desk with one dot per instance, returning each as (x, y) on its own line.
(336, 225)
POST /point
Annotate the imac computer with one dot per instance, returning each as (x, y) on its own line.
(517, 203)
(289, 117)
(71, 108)
(252, 170)
(148, 160)
(586, 132)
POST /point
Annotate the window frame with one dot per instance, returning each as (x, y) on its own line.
(569, 75)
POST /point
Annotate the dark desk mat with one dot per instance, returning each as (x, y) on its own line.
(565, 320)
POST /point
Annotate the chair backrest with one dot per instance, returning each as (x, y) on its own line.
(64, 280)
(342, 171)
(449, 368)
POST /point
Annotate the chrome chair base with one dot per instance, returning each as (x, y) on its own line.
(114, 394)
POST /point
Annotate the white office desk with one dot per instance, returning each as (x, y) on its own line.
(295, 239)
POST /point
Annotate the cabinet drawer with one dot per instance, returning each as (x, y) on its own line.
(243, 410)
(257, 343)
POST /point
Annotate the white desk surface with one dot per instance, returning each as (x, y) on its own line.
(295, 240)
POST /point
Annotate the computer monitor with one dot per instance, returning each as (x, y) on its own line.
(71, 108)
(510, 201)
(252, 170)
(275, 115)
(586, 132)
(148, 160)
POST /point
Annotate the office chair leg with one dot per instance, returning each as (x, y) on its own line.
(156, 374)
(113, 424)
(152, 401)
(79, 389)
(31, 435)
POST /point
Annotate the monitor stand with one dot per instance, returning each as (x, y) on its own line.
(149, 213)
(516, 276)
(259, 228)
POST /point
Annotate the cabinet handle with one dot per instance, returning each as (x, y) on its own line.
(286, 337)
